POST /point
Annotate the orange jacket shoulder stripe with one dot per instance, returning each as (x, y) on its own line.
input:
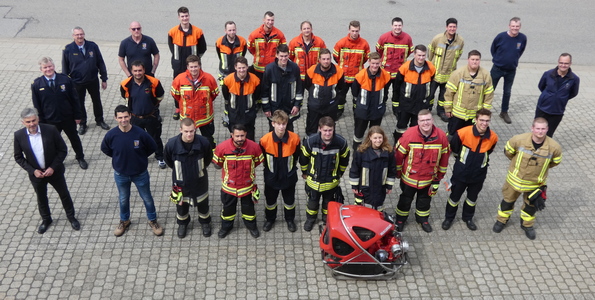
(351, 55)
(154, 83)
(234, 86)
(264, 48)
(298, 54)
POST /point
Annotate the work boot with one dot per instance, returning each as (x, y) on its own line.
(82, 129)
(268, 225)
(400, 226)
(309, 224)
(447, 224)
(182, 230)
(122, 226)
(471, 225)
(529, 232)
(223, 232)
(498, 227)
(505, 117)
(426, 227)
(206, 230)
(291, 226)
(157, 229)
(443, 117)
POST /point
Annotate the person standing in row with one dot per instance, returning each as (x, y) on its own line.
(239, 90)
(81, 61)
(138, 47)
(304, 50)
(229, 47)
(184, 40)
(40, 150)
(189, 155)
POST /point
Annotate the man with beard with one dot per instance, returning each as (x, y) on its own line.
(240, 100)
(229, 47)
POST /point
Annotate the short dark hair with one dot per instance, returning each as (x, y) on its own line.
(565, 54)
(483, 112)
(515, 19)
(240, 60)
(324, 51)
(138, 63)
(183, 10)
(121, 109)
(239, 127)
(451, 21)
(279, 116)
(193, 58)
(540, 120)
(354, 23)
(397, 19)
(474, 52)
(305, 22)
(374, 55)
(421, 48)
(268, 13)
(229, 23)
(424, 112)
(326, 121)
(186, 122)
(282, 48)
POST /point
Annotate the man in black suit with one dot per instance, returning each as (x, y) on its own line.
(40, 150)
(56, 100)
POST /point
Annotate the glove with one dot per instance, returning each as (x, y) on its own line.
(433, 190)
(176, 194)
(537, 197)
(447, 184)
(255, 194)
(359, 198)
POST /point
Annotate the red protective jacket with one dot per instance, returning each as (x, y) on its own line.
(394, 51)
(263, 47)
(238, 166)
(421, 160)
(195, 98)
(351, 55)
(305, 56)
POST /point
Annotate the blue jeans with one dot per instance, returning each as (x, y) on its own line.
(508, 75)
(143, 185)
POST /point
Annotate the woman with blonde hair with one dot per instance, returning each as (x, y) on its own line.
(373, 170)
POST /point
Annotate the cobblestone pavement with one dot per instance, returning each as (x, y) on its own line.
(93, 263)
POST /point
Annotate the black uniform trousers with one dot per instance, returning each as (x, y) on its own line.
(314, 202)
(183, 210)
(440, 103)
(314, 117)
(69, 128)
(457, 190)
(454, 124)
(228, 213)
(360, 129)
(403, 118)
(271, 194)
(552, 120)
(208, 131)
(93, 89)
(40, 185)
(153, 127)
(422, 205)
(387, 87)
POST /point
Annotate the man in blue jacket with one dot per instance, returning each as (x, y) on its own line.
(557, 86)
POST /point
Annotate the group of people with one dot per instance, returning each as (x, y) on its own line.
(277, 82)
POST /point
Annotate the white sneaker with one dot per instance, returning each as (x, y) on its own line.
(162, 164)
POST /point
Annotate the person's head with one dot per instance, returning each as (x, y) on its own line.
(451, 26)
(47, 67)
(482, 120)
(282, 55)
(268, 20)
(138, 70)
(230, 29)
(78, 34)
(241, 66)
(188, 130)
(564, 62)
(473, 60)
(326, 127)
(419, 55)
(122, 116)
(306, 28)
(514, 26)
(279, 121)
(135, 29)
(325, 58)
(193, 64)
(238, 134)
(184, 15)
(376, 138)
(539, 129)
(374, 61)
(354, 27)
(425, 121)
(30, 119)
(397, 25)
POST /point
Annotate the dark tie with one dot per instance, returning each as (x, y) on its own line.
(82, 50)
(52, 85)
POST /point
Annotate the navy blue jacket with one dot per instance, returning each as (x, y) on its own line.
(58, 104)
(556, 91)
(507, 50)
(83, 68)
(189, 166)
(129, 150)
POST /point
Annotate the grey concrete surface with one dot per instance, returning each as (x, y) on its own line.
(460, 264)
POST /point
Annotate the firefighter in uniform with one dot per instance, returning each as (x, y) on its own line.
(189, 155)
(238, 158)
(184, 40)
(324, 159)
(240, 101)
(229, 47)
(304, 49)
(281, 150)
(444, 52)
(350, 53)
(394, 47)
(472, 146)
(326, 81)
(531, 156)
(468, 90)
(422, 158)
(194, 91)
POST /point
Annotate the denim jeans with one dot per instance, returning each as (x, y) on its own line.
(508, 75)
(142, 183)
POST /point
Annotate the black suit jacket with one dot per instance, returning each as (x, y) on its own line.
(54, 150)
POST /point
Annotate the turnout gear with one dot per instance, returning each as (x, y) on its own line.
(538, 196)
